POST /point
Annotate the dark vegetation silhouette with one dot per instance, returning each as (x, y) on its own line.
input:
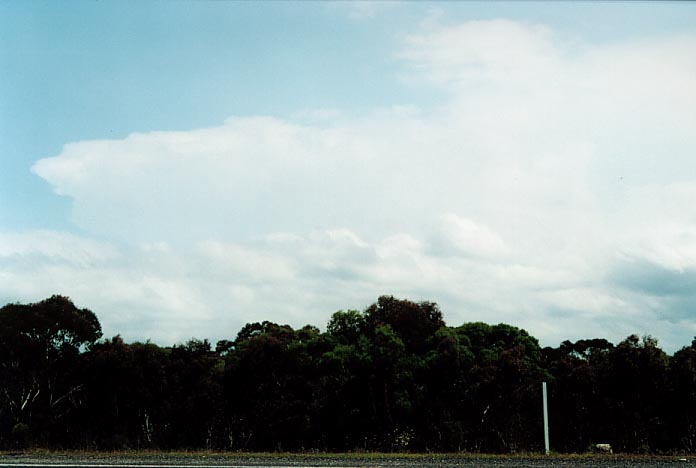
(394, 377)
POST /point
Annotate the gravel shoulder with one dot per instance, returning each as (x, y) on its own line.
(210, 459)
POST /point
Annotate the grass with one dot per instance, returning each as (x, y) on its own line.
(375, 456)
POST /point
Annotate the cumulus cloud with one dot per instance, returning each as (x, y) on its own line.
(55, 246)
(466, 237)
(553, 190)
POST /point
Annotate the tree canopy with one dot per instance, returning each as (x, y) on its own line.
(394, 377)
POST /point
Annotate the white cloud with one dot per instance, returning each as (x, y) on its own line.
(550, 164)
(470, 238)
(486, 53)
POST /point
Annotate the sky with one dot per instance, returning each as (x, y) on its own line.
(183, 168)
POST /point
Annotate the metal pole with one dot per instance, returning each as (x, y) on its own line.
(546, 419)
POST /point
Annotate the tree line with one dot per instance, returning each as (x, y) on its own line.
(393, 377)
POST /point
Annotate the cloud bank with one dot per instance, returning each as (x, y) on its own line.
(553, 189)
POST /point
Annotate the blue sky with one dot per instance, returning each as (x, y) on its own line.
(235, 161)
(87, 69)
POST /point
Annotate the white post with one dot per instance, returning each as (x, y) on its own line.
(546, 420)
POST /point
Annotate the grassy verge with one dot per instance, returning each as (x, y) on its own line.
(377, 456)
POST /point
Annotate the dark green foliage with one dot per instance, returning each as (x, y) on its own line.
(392, 378)
(574, 395)
(127, 394)
(500, 396)
(682, 395)
(40, 362)
(612, 393)
(269, 388)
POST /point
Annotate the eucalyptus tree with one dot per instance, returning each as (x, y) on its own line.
(40, 348)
